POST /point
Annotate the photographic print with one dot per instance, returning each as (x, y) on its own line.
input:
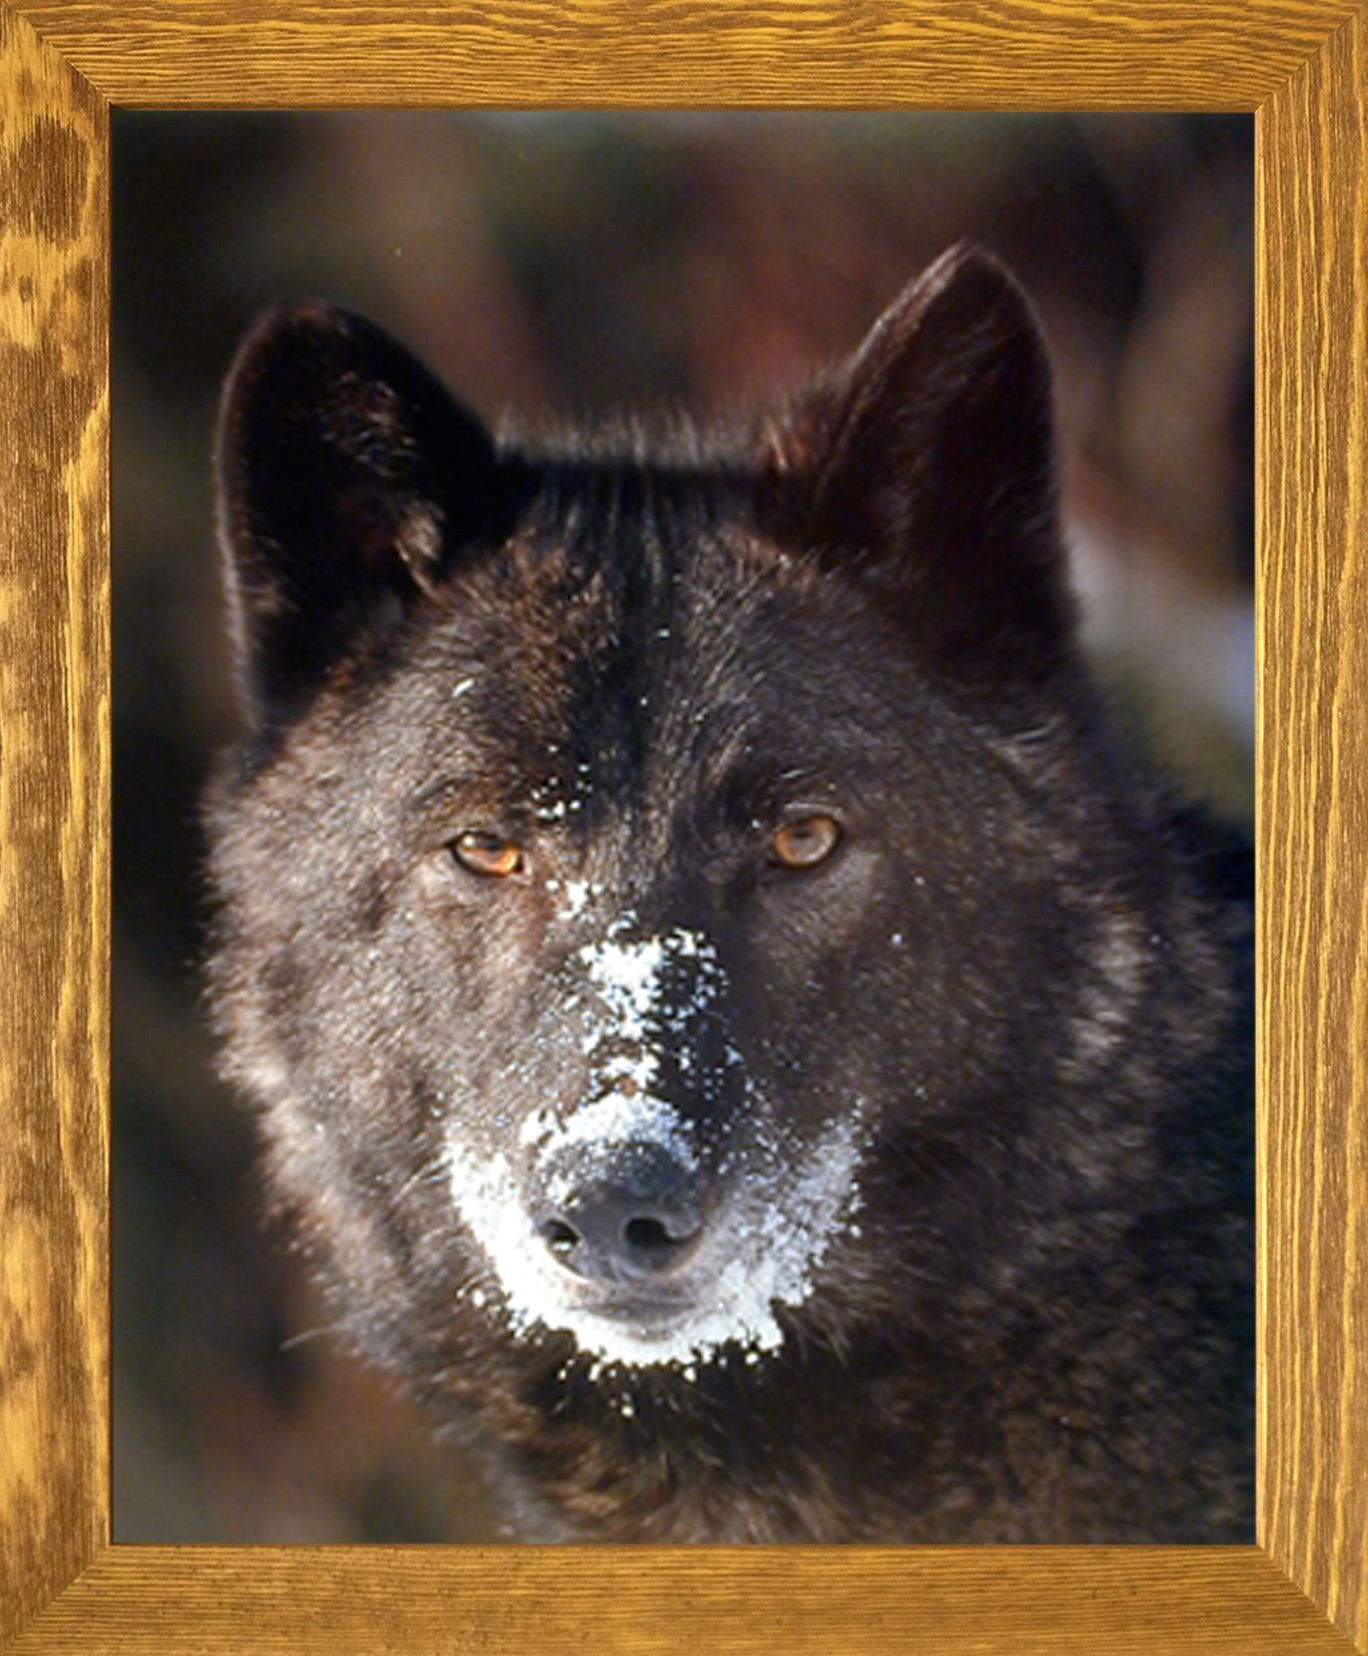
(683, 737)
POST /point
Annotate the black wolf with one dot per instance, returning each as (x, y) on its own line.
(731, 1025)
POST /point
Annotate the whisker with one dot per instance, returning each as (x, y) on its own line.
(434, 1169)
(311, 1334)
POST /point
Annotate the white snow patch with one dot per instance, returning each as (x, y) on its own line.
(577, 894)
(630, 978)
(634, 1071)
(613, 1121)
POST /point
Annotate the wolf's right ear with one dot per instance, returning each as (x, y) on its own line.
(348, 480)
(925, 469)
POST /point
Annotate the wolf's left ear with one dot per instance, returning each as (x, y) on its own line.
(348, 479)
(926, 469)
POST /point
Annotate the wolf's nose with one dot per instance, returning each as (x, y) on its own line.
(626, 1213)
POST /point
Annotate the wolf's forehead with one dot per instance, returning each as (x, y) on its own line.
(625, 630)
(687, 679)
(569, 679)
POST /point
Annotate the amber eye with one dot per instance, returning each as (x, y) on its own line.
(805, 842)
(487, 854)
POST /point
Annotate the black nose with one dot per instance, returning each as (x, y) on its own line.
(619, 1214)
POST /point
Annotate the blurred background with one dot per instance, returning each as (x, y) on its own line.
(557, 264)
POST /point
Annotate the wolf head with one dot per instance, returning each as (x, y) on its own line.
(658, 889)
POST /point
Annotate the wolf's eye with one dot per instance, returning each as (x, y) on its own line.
(487, 854)
(805, 842)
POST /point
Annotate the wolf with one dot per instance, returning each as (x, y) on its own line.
(733, 1027)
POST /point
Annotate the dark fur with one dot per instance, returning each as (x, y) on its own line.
(1032, 968)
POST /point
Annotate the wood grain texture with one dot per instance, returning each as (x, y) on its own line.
(54, 823)
(1055, 1601)
(1306, 62)
(1055, 54)
(1313, 841)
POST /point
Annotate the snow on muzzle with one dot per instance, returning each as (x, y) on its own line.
(618, 1224)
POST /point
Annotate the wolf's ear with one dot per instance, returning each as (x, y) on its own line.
(348, 478)
(926, 468)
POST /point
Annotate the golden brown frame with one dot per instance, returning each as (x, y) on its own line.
(1302, 65)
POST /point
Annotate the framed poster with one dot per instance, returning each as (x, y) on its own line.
(1301, 73)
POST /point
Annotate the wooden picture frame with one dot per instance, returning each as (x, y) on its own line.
(1302, 67)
